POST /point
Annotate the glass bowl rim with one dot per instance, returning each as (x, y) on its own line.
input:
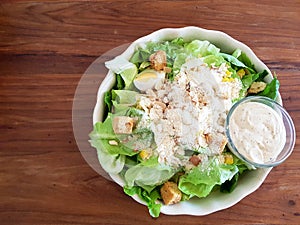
(285, 114)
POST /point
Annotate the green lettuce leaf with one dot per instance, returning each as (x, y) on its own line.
(125, 96)
(232, 60)
(127, 70)
(103, 133)
(201, 180)
(108, 102)
(140, 55)
(120, 83)
(261, 75)
(248, 79)
(110, 163)
(103, 130)
(150, 198)
(178, 41)
(111, 157)
(178, 62)
(245, 59)
(119, 149)
(199, 48)
(216, 60)
(229, 185)
(271, 90)
(237, 53)
(149, 175)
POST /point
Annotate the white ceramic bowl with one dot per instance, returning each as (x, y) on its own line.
(250, 181)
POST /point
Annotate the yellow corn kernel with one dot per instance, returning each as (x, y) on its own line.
(228, 73)
(228, 159)
(138, 106)
(227, 79)
(241, 73)
(144, 154)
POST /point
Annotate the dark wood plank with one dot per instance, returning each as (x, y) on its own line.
(46, 46)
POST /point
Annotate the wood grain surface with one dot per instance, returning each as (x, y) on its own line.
(45, 48)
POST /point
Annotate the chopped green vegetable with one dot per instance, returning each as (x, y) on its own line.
(150, 199)
(232, 60)
(229, 185)
(120, 84)
(201, 180)
(245, 59)
(108, 100)
(271, 90)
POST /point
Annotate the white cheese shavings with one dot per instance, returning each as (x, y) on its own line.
(189, 112)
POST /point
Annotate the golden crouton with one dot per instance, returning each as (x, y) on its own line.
(167, 69)
(257, 87)
(170, 193)
(122, 124)
(208, 138)
(158, 60)
(195, 160)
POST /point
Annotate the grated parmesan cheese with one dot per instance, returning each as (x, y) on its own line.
(189, 112)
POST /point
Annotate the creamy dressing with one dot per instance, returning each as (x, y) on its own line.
(257, 131)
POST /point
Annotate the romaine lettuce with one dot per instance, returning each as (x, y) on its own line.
(111, 157)
(148, 174)
(271, 90)
(199, 48)
(201, 180)
(125, 96)
(127, 70)
(149, 197)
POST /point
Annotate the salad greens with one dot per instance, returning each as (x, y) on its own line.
(126, 155)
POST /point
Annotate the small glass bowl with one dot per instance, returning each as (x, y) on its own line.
(289, 128)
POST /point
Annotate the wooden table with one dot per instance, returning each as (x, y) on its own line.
(46, 46)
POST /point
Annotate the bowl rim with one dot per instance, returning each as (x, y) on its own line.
(285, 114)
(247, 186)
